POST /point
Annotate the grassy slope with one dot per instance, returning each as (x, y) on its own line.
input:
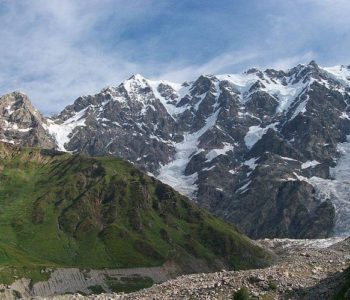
(70, 210)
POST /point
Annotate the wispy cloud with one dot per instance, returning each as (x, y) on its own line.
(219, 64)
(58, 50)
(285, 63)
(48, 49)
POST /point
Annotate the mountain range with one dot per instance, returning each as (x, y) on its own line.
(265, 150)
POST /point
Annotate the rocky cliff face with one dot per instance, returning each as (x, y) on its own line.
(266, 150)
(21, 123)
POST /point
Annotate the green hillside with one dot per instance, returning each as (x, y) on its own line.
(58, 210)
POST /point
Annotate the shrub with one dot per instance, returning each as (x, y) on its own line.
(242, 294)
(273, 285)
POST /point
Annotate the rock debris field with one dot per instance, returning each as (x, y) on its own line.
(305, 269)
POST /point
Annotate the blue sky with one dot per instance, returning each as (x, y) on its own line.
(57, 50)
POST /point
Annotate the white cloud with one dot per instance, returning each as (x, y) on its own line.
(43, 51)
(58, 50)
(289, 62)
(219, 64)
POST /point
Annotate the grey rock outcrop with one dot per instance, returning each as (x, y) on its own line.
(21, 123)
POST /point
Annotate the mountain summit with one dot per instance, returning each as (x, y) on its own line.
(21, 123)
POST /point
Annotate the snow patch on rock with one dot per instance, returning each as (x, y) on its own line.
(310, 163)
(338, 189)
(173, 172)
(255, 133)
(216, 152)
(61, 132)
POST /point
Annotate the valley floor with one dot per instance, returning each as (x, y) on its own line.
(307, 269)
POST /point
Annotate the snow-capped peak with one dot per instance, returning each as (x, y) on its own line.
(137, 77)
(340, 73)
(134, 83)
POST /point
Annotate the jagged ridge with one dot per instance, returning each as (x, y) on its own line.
(224, 139)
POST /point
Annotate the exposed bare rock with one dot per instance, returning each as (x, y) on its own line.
(21, 123)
